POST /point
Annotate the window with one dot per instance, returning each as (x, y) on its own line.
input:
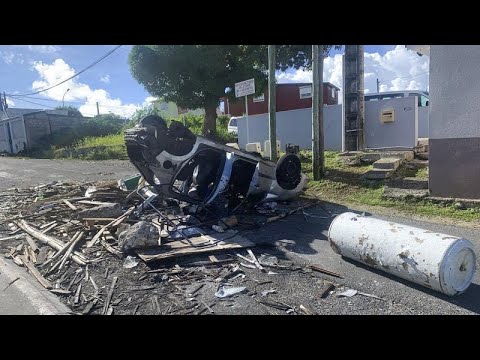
(333, 93)
(233, 122)
(305, 92)
(423, 101)
(259, 98)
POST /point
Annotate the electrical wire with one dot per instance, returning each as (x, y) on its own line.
(71, 77)
(31, 102)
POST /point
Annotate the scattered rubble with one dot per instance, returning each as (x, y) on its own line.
(139, 236)
(104, 250)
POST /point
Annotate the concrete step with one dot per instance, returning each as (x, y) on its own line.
(371, 157)
(390, 163)
(379, 174)
(422, 155)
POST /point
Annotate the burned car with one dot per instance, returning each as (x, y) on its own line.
(191, 168)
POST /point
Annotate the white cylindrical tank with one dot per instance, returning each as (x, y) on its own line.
(438, 261)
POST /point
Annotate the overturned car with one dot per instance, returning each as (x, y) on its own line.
(191, 168)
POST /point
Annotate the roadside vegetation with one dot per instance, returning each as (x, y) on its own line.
(345, 185)
(102, 137)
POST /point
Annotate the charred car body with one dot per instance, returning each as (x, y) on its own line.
(191, 168)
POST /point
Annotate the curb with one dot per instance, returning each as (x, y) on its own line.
(44, 302)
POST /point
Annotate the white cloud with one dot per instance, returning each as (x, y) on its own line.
(51, 74)
(397, 69)
(44, 49)
(149, 100)
(105, 79)
(8, 57)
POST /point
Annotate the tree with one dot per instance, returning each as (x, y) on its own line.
(196, 76)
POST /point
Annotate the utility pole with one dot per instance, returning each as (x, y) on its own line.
(353, 105)
(272, 108)
(378, 86)
(318, 162)
(98, 110)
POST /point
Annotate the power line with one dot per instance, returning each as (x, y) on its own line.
(68, 102)
(71, 77)
(32, 102)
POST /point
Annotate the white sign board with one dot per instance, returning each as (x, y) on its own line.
(245, 88)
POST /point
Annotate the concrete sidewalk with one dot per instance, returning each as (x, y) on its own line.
(20, 294)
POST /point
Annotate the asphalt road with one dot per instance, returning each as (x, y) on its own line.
(15, 172)
(303, 239)
(306, 240)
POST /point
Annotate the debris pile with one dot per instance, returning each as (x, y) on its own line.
(86, 243)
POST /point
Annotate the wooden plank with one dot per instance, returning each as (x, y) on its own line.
(13, 237)
(17, 261)
(115, 222)
(32, 244)
(60, 291)
(53, 242)
(109, 296)
(31, 268)
(33, 256)
(99, 219)
(96, 203)
(200, 245)
(47, 225)
(111, 249)
(77, 294)
(42, 254)
(255, 261)
(328, 272)
(69, 204)
(50, 227)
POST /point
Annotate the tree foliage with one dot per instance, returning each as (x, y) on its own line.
(196, 76)
(72, 110)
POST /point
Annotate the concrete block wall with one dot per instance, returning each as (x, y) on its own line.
(454, 126)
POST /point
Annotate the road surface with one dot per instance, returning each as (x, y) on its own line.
(303, 239)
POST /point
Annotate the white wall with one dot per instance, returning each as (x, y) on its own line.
(402, 132)
(294, 126)
(423, 121)
(454, 91)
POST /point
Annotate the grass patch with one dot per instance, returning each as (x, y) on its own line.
(95, 148)
(345, 185)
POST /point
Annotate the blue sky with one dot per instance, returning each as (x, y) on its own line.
(26, 68)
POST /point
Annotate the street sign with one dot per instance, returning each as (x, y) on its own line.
(245, 88)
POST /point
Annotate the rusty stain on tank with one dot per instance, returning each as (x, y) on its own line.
(449, 237)
(418, 240)
(369, 260)
(335, 247)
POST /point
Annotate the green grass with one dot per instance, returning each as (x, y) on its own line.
(109, 140)
(95, 148)
(344, 185)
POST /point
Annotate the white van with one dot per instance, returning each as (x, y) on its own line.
(232, 126)
(422, 96)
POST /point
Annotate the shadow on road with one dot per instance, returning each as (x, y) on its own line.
(297, 232)
(469, 300)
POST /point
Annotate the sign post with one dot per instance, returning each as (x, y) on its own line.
(245, 88)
